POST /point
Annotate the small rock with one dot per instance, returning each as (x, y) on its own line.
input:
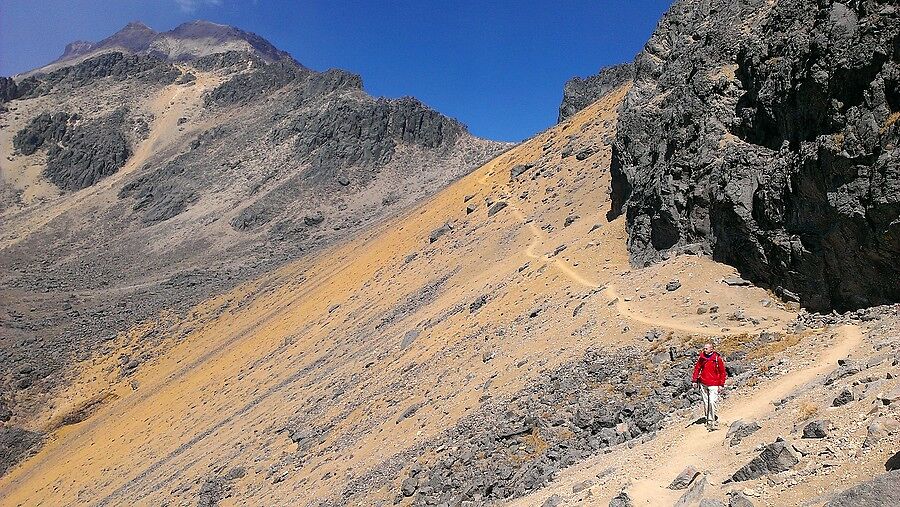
(581, 486)
(842, 399)
(892, 396)
(739, 430)
(496, 207)
(440, 231)
(673, 285)
(736, 281)
(879, 429)
(518, 169)
(553, 501)
(684, 479)
(737, 499)
(816, 429)
(408, 487)
(693, 494)
(621, 500)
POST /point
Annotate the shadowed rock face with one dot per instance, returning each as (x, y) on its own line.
(582, 92)
(79, 153)
(768, 137)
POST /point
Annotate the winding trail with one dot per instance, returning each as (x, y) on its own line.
(609, 290)
(693, 446)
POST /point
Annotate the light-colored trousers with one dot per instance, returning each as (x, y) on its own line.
(710, 395)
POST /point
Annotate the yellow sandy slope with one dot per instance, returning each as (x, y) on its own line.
(319, 342)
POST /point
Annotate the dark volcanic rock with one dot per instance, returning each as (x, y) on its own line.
(164, 193)
(579, 93)
(816, 429)
(250, 85)
(8, 89)
(739, 430)
(79, 153)
(882, 490)
(118, 66)
(188, 41)
(16, 444)
(770, 137)
(353, 131)
(775, 457)
(44, 128)
(621, 500)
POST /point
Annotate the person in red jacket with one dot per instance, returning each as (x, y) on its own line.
(709, 376)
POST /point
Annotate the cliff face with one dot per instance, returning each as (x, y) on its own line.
(766, 135)
(582, 92)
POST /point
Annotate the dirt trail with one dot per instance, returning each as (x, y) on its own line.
(692, 446)
(609, 290)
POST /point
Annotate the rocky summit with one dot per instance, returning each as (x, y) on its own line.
(230, 279)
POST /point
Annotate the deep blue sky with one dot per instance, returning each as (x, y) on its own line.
(497, 66)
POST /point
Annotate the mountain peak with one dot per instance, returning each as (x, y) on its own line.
(187, 41)
(136, 25)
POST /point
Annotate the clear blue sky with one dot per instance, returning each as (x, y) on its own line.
(497, 66)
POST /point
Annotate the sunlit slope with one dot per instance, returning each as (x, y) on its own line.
(326, 379)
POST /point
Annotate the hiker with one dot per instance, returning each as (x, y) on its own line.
(709, 376)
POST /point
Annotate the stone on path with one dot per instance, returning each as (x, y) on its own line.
(684, 479)
(739, 430)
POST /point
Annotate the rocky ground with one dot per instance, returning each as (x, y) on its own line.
(820, 411)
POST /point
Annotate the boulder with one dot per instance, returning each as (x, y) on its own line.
(845, 397)
(518, 169)
(882, 491)
(496, 207)
(738, 499)
(553, 501)
(438, 232)
(775, 457)
(844, 370)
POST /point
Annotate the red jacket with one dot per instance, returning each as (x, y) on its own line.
(710, 370)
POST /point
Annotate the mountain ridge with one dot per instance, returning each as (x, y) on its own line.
(187, 41)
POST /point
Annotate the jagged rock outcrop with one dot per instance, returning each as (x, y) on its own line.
(8, 89)
(79, 153)
(579, 93)
(118, 66)
(767, 135)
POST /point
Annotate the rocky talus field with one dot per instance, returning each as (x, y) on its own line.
(228, 279)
